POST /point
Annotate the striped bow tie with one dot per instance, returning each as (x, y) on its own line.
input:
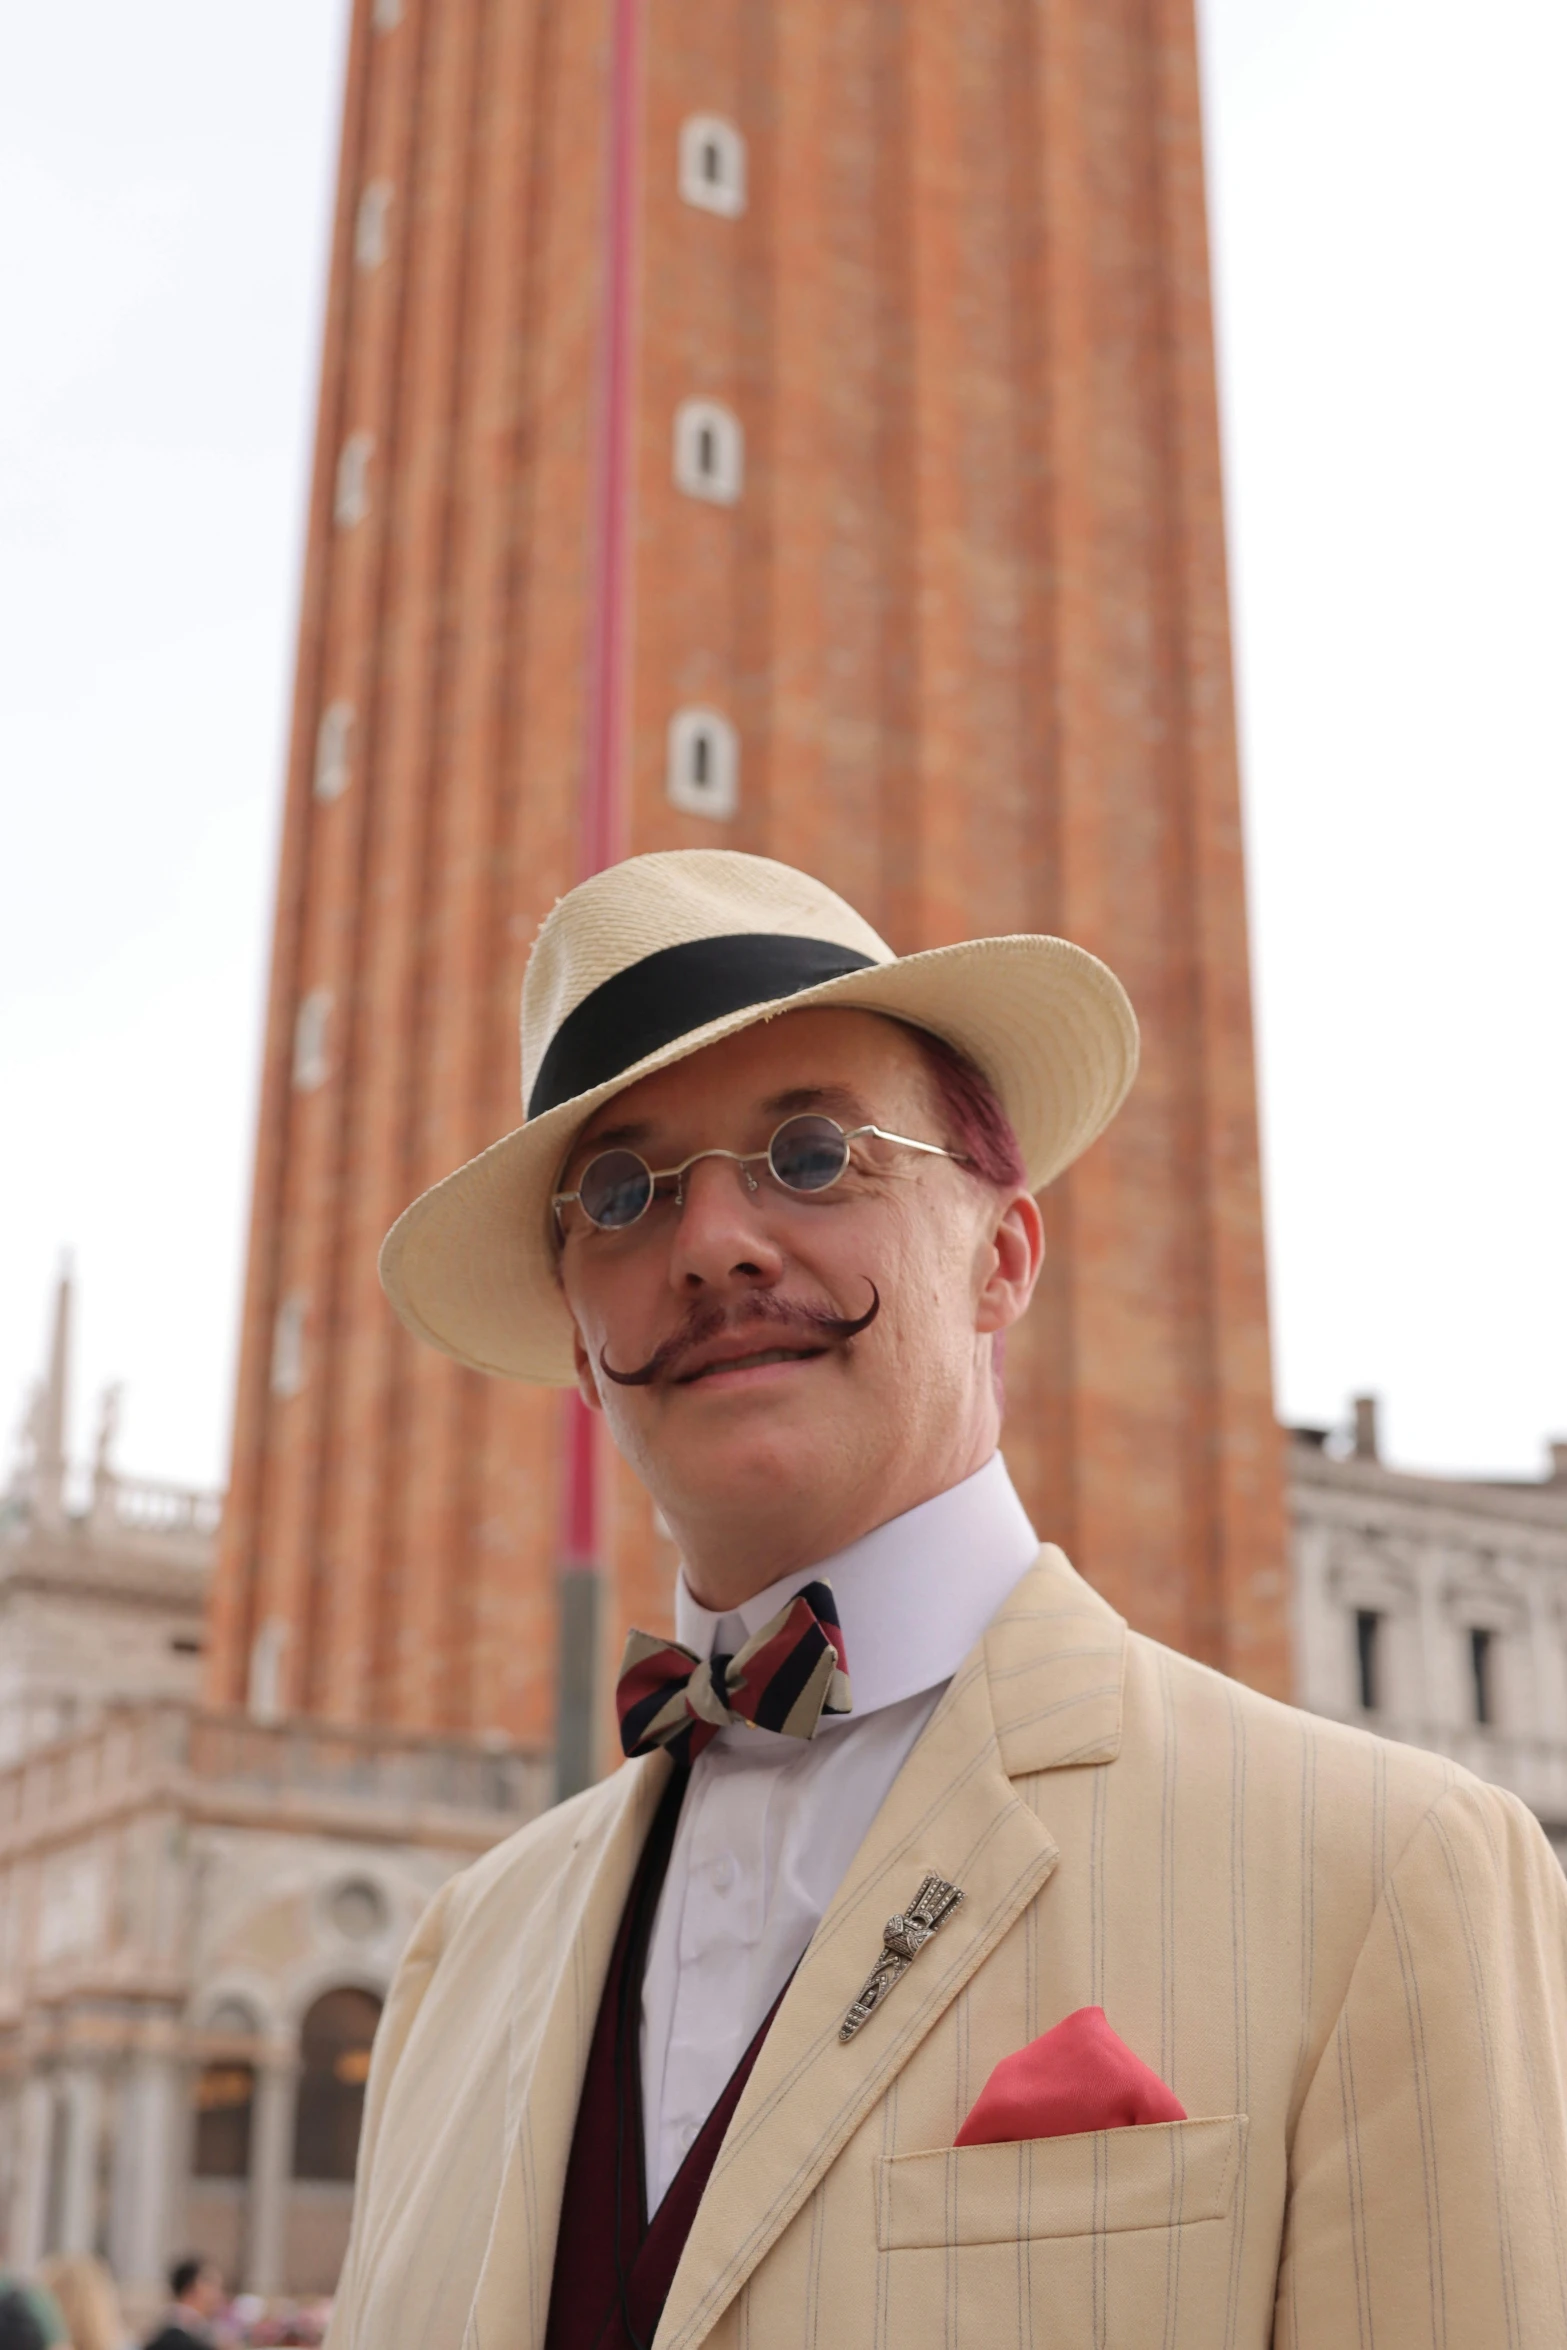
(785, 1678)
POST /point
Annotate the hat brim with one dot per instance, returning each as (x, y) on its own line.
(470, 1266)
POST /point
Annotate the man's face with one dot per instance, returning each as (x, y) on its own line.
(758, 1412)
(206, 2294)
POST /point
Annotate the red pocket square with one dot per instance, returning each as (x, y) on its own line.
(1081, 2076)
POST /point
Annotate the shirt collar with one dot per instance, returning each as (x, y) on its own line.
(914, 1595)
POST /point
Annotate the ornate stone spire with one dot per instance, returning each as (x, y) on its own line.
(40, 1479)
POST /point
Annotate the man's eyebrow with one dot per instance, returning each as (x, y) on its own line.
(814, 1097)
(612, 1138)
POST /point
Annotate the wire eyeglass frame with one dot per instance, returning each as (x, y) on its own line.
(745, 1161)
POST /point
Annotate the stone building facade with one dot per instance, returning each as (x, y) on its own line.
(103, 1579)
(199, 1919)
(97, 1605)
(1434, 1609)
(200, 1908)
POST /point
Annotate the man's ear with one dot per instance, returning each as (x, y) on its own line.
(1017, 1255)
(587, 1385)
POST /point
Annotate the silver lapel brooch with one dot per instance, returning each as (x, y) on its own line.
(903, 1938)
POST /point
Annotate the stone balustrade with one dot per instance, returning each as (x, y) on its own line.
(222, 1763)
(138, 1505)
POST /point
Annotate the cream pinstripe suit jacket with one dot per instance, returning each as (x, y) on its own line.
(1347, 1958)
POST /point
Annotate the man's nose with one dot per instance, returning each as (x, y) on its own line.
(722, 1234)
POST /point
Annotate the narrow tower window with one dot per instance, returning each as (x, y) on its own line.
(709, 451)
(704, 764)
(351, 497)
(386, 14)
(370, 238)
(288, 1347)
(1482, 1648)
(712, 165)
(332, 740)
(311, 1067)
(1368, 1661)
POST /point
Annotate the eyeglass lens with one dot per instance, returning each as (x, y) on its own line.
(806, 1154)
(615, 1189)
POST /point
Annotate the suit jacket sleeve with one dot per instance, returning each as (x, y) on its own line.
(1428, 2173)
(403, 2002)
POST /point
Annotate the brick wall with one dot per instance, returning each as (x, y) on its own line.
(968, 616)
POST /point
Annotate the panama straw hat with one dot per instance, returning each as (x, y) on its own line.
(652, 960)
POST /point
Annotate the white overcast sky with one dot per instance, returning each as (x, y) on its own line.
(1389, 188)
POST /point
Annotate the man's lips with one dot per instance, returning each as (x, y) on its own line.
(752, 1359)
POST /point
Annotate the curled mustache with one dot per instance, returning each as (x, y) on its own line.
(712, 1323)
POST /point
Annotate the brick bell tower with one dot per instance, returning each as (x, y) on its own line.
(788, 427)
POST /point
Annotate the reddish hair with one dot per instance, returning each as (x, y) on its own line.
(978, 1127)
(976, 1124)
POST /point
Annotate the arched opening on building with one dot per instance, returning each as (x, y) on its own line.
(334, 2061)
(225, 2099)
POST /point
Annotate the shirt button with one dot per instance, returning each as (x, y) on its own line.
(723, 1873)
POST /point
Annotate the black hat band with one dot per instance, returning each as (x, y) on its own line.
(668, 994)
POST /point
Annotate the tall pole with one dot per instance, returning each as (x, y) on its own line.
(601, 828)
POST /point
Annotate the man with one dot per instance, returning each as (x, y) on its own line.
(197, 2296)
(949, 1965)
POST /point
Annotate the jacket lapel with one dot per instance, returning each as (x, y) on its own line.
(1043, 1688)
(551, 2036)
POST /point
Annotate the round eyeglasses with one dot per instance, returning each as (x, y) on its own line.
(806, 1154)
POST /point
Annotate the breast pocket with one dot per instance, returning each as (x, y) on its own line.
(1115, 2238)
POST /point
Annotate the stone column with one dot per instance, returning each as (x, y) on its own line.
(10, 2134)
(82, 2086)
(148, 2152)
(29, 2213)
(271, 2167)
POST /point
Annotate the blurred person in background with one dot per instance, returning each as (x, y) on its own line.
(197, 2287)
(27, 2302)
(88, 2302)
(21, 2327)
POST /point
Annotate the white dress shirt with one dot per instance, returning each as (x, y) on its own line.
(770, 1824)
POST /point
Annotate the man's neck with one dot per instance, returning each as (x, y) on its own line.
(755, 1538)
(727, 1567)
(912, 1596)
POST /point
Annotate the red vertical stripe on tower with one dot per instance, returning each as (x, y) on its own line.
(610, 618)
(608, 678)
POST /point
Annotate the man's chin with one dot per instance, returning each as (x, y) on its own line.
(746, 1465)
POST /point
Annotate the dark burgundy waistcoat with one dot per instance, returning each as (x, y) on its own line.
(614, 2267)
